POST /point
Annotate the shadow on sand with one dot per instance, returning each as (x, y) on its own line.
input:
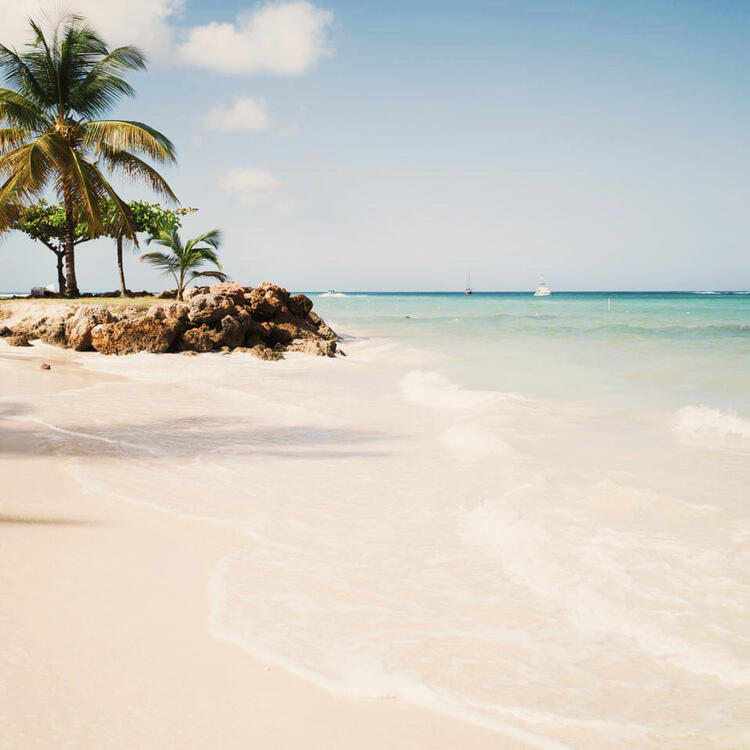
(183, 437)
(34, 521)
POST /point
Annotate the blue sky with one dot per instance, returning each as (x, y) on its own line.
(401, 144)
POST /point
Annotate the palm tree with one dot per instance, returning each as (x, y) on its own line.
(51, 138)
(184, 261)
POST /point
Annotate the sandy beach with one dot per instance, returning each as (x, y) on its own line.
(429, 542)
(105, 620)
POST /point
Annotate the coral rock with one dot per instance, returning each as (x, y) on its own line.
(229, 289)
(267, 301)
(80, 324)
(322, 328)
(147, 333)
(232, 332)
(314, 346)
(201, 339)
(300, 305)
(265, 352)
(209, 308)
(19, 339)
(191, 291)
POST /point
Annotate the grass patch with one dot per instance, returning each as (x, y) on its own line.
(103, 301)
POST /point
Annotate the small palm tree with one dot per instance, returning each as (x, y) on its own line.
(51, 137)
(184, 261)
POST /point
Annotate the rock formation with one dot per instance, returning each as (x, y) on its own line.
(263, 320)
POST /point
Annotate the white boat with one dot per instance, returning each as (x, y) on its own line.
(542, 289)
(331, 293)
(467, 290)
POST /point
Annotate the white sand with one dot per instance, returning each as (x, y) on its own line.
(104, 621)
(218, 552)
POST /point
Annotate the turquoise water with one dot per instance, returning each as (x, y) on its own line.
(664, 348)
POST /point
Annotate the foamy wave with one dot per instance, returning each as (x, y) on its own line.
(472, 442)
(436, 390)
(593, 587)
(703, 420)
(358, 672)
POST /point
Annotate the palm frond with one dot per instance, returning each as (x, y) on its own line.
(129, 136)
(19, 111)
(10, 212)
(212, 238)
(208, 274)
(188, 257)
(29, 167)
(12, 138)
(162, 261)
(17, 73)
(128, 227)
(201, 254)
(169, 238)
(102, 85)
(130, 165)
(83, 184)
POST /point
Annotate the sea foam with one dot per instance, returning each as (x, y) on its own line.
(703, 420)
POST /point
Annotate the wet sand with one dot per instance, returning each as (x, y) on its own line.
(105, 620)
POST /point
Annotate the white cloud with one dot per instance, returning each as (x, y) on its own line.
(285, 38)
(255, 187)
(145, 23)
(245, 113)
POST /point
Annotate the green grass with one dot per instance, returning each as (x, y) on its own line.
(104, 301)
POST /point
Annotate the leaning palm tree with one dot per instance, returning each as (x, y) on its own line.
(51, 138)
(184, 261)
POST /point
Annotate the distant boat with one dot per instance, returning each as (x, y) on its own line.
(542, 290)
(331, 293)
(468, 284)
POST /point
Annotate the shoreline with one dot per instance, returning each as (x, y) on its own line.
(134, 664)
(283, 508)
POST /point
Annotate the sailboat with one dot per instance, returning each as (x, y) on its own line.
(542, 289)
(468, 284)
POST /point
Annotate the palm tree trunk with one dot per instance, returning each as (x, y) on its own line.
(123, 289)
(71, 284)
(60, 273)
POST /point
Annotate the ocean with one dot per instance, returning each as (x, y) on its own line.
(529, 513)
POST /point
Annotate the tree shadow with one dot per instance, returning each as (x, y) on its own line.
(36, 521)
(186, 437)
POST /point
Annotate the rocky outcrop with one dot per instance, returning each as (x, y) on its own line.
(209, 307)
(264, 321)
(232, 332)
(155, 331)
(79, 325)
(19, 339)
(267, 301)
(201, 339)
(235, 292)
(300, 305)
(321, 348)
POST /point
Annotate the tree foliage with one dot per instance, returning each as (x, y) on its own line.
(145, 218)
(184, 260)
(46, 223)
(51, 138)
